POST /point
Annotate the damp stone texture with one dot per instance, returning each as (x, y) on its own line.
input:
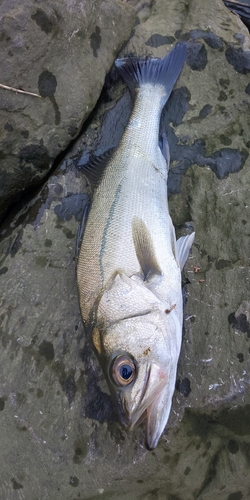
(60, 437)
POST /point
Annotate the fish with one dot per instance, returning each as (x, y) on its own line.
(129, 263)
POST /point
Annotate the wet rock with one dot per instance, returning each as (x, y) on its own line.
(62, 51)
(57, 416)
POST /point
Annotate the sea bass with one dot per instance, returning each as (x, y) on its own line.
(129, 264)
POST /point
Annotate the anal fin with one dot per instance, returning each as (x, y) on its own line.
(183, 246)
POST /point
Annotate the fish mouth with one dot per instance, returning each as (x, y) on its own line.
(152, 406)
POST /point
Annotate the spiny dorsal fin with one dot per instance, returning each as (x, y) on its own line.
(183, 246)
(81, 228)
(95, 167)
(144, 249)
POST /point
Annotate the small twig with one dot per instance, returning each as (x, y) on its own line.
(18, 90)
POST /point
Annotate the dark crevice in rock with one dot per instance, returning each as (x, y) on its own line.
(197, 56)
(240, 323)
(47, 84)
(239, 59)
(205, 111)
(233, 447)
(240, 357)
(209, 38)
(237, 495)
(176, 108)
(210, 475)
(157, 40)
(67, 381)
(36, 154)
(247, 89)
(95, 41)
(42, 20)
(183, 386)
(46, 349)
(16, 485)
(97, 404)
(2, 403)
(8, 127)
(71, 206)
(16, 244)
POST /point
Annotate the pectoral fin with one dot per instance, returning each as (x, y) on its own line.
(183, 246)
(144, 249)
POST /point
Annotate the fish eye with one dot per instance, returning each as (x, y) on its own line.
(123, 370)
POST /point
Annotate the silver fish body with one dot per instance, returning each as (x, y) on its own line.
(129, 264)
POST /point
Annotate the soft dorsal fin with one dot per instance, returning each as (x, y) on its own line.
(144, 249)
(95, 167)
(183, 246)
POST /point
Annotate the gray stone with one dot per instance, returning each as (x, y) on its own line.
(59, 436)
(62, 51)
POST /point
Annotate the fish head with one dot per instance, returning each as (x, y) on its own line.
(138, 346)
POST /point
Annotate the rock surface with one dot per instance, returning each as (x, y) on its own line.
(61, 50)
(60, 438)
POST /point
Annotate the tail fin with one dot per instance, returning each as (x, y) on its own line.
(136, 71)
